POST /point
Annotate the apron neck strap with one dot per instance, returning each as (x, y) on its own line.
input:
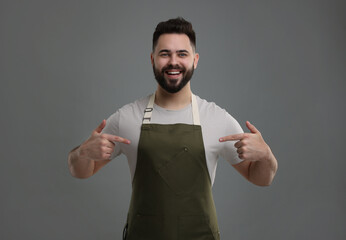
(150, 107)
(195, 112)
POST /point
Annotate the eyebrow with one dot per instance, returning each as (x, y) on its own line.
(168, 51)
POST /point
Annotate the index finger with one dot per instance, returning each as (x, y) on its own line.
(232, 137)
(114, 138)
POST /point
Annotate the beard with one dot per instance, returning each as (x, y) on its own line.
(172, 85)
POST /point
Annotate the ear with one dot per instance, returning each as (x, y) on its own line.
(152, 59)
(195, 60)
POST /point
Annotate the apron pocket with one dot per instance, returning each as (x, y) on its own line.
(181, 172)
(145, 227)
(195, 228)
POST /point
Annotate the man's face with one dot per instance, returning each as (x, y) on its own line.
(174, 61)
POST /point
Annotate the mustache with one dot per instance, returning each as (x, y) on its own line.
(170, 67)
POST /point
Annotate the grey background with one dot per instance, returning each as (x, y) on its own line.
(66, 65)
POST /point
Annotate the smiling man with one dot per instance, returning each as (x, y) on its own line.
(172, 140)
(173, 67)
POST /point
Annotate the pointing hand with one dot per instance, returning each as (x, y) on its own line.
(100, 146)
(250, 146)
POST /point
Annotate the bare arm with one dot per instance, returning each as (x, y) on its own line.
(260, 173)
(259, 165)
(86, 159)
(78, 167)
(83, 168)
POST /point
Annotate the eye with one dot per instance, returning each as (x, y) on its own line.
(164, 55)
(182, 54)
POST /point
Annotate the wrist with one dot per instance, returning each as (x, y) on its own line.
(271, 160)
(82, 151)
(268, 155)
(80, 154)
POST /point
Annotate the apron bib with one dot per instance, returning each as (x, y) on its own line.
(171, 189)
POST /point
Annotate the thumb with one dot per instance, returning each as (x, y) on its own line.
(101, 126)
(251, 127)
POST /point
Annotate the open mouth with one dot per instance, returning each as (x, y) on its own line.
(173, 72)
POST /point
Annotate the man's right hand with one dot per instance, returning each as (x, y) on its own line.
(100, 146)
(85, 160)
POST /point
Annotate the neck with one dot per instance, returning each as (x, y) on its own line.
(173, 101)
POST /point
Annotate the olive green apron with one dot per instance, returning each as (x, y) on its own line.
(171, 189)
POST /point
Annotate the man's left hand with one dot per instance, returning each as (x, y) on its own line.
(250, 146)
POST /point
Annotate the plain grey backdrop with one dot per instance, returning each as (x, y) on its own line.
(67, 65)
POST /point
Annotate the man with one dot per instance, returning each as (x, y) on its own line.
(172, 140)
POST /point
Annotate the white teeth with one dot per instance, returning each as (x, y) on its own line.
(173, 72)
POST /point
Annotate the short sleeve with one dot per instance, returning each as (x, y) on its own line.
(229, 152)
(112, 127)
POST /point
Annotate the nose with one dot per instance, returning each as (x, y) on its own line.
(173, 59)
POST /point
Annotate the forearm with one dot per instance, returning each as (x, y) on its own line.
(80, 167)
(262, 172)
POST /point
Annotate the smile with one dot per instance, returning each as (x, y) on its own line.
(173, 73)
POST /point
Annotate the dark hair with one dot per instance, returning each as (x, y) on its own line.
(175, 25)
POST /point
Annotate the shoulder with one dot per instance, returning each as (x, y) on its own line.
(209, 107)
(137, 106)
(211, 110)
(131, 115)
(133, 111)
(212, 114)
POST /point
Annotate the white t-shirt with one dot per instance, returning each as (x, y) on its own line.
(215, 123)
